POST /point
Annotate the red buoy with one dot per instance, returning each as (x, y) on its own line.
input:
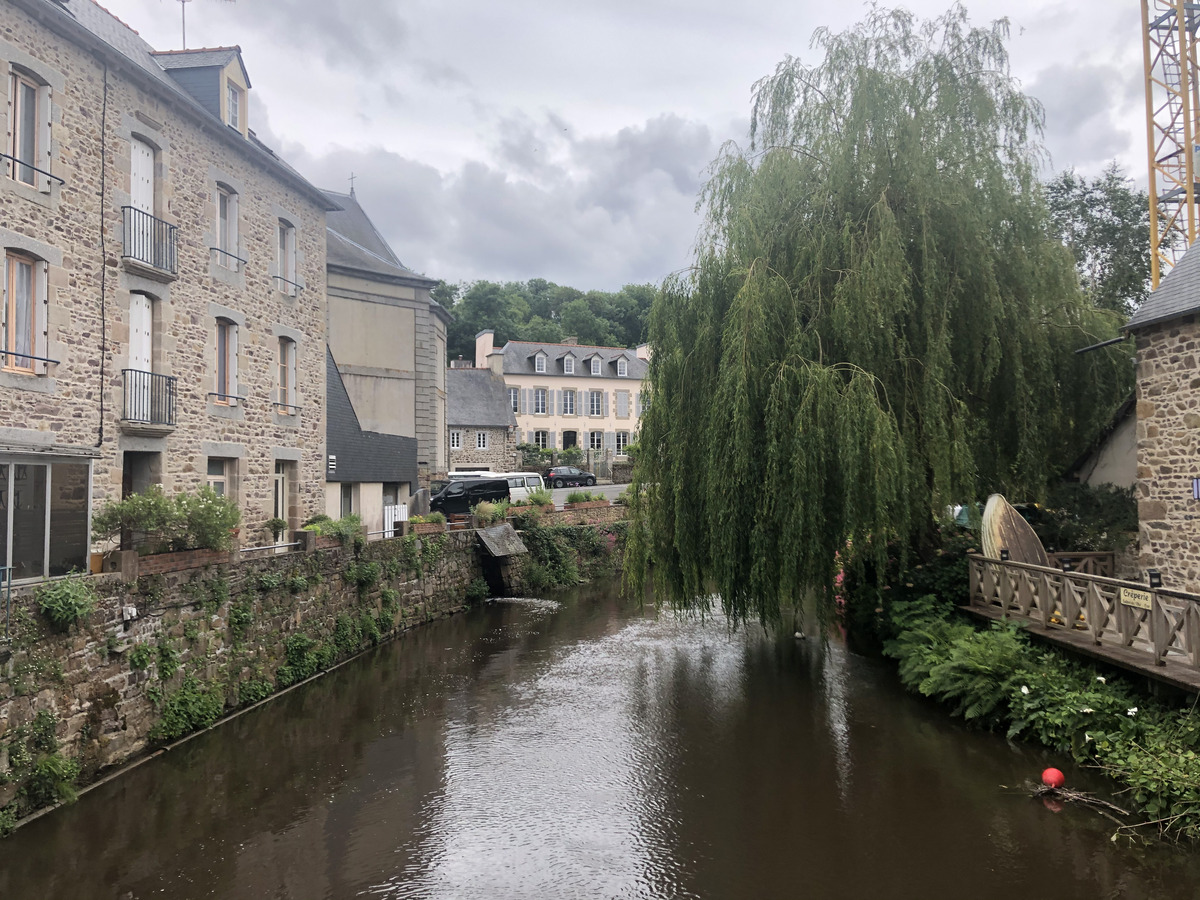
(1053, 778)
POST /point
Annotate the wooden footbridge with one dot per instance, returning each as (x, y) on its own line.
(1150, 631)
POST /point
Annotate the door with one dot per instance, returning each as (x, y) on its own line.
(141, 198)
(281, 499)
(570, 439)
(141, 342)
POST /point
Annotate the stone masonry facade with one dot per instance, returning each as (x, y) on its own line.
(99, 103)
(1168, 451)
(500, 455)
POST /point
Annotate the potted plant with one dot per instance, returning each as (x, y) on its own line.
(277, 527)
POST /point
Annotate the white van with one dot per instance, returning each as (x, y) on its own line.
(520, 484)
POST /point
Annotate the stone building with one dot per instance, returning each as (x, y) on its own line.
(164, 287)
(565, 395)
(1167, 331)
(387, 337)
(481, 425)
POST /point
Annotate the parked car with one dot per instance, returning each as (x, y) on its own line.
(520, 484)
(458, 497)
(568, 476)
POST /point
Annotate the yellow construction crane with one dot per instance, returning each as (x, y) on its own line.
(1172, 107)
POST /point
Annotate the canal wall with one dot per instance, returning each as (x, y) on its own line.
(170, 652)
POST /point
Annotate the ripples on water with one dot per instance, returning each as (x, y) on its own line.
(581, 748)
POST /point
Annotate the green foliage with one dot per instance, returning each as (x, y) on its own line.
(584, 496)
(1078, 517)
(488, 513)
(241, 615)
(160, 523)
(65, 601)
(1105, 223)
(52, 781)
(347, 635)
(43, 732)
(364, 575)
(305, 657)
(195, 705)
(534, 458)
(191, 632)
(252, 690)
(477, 591)
(8, 820)
(168, 660)
(439, 518)
(876, 325)
(571, 456)
(551, 555)
(269, 581)
(345, 529)
(541, 497)
(276, 527)
(432, 548)
(298, 583)
(140, 657)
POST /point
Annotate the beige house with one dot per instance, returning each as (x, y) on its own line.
(567, 395)
(386, 386)
(164, 287)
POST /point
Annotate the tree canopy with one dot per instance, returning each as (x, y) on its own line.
(1105, 223)
(540, 310)
(879, 322)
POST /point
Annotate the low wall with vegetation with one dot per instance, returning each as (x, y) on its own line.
(98, 670)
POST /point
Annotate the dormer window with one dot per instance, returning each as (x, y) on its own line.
(622, 368)
(539, 363)
(595, 365)
(569, 365)
(233, 106)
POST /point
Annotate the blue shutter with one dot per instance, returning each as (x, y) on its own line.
(522, 400)
(529, 437)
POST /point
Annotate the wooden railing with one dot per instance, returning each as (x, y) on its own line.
(1164, 625)
(1098, 562)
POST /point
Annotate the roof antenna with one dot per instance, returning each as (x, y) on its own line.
(352, 177)
(183, 20)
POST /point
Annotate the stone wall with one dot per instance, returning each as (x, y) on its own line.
(76, 229)
(500, 455)
(1168, 451)
(230, 628)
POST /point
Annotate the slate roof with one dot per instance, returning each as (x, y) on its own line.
(200, 58)
(361, 455)
(518, 360)
(69, 16)
(477, 398)
(1178, 294)
(355, 242)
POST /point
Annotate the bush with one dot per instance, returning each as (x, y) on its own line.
(66, 601)
(203, 520)
(541, 497)
(276, 527)
(489, 513)
(345, 529)
(584, 496)
(193, 707)
(477, 591)
(572, 456)
(139, 658)
(533, 458)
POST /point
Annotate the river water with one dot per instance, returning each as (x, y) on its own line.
(582, 747)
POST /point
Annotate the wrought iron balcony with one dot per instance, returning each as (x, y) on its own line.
(149, 398)
(149, 240)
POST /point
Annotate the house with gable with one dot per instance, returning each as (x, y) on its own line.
(566, 395)
(164, 287)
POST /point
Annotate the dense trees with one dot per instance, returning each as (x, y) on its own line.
(879, 321)
(539, 310)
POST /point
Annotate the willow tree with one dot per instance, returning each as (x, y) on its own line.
(877, 322)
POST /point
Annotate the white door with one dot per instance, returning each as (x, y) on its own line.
(141, 320)
(141, 198)
(280, 505)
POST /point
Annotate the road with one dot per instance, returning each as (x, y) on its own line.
(611, 491)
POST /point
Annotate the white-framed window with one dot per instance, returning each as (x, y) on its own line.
(29, 130)
(539, 363)
(595, 403)
(233, 105)
(23, 313)
(622, 441)
(218, 475)
(596, 440)
(287, 375)
(285, 251)
(227, 227)
(541, 439)
(595, 365)
(481, 440)
(568, 403)
(225, 391)
(622, 368)
(456, 440)
(514, 398)
(569, 365)
(539, 401)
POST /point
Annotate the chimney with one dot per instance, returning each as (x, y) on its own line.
(643, 352)
(570, 341)
(483, 347)
(495, 361)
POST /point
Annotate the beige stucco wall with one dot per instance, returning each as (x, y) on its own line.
(581, 423)
(1115, 462)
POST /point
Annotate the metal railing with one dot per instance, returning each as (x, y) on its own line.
(287, 409)
(24, 165)
(231, 259)
(227, 397)
(5, 354)
(149, 240)
(287, 286)
(149, 398)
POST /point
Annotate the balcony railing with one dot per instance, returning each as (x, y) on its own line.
(149, 398)
(149, 240)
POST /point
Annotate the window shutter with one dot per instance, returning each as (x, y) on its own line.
(550, 438)
(43, 98)
(41, 310)
(523, 400)
(529, 437)
(604, 408)
(291, 375)
(233, 233)
(232, 364)
(639, 404)
(610, 440)
(9, 119)
(4, 360)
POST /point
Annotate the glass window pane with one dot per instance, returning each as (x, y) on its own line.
(26, 138)
(29, 521)
(68, 518)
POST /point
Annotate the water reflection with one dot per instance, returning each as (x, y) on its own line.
(585, 748)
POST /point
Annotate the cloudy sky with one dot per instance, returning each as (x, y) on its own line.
(569, 140)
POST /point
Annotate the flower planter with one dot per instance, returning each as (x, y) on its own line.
(589, 504)
(427, 527)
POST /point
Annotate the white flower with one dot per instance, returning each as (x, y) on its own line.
(1024, 689)
(1086, 738)
(1087, 709)
(1102, 679)
(1132, 711)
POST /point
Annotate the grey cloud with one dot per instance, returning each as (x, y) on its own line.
(1083, 106)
